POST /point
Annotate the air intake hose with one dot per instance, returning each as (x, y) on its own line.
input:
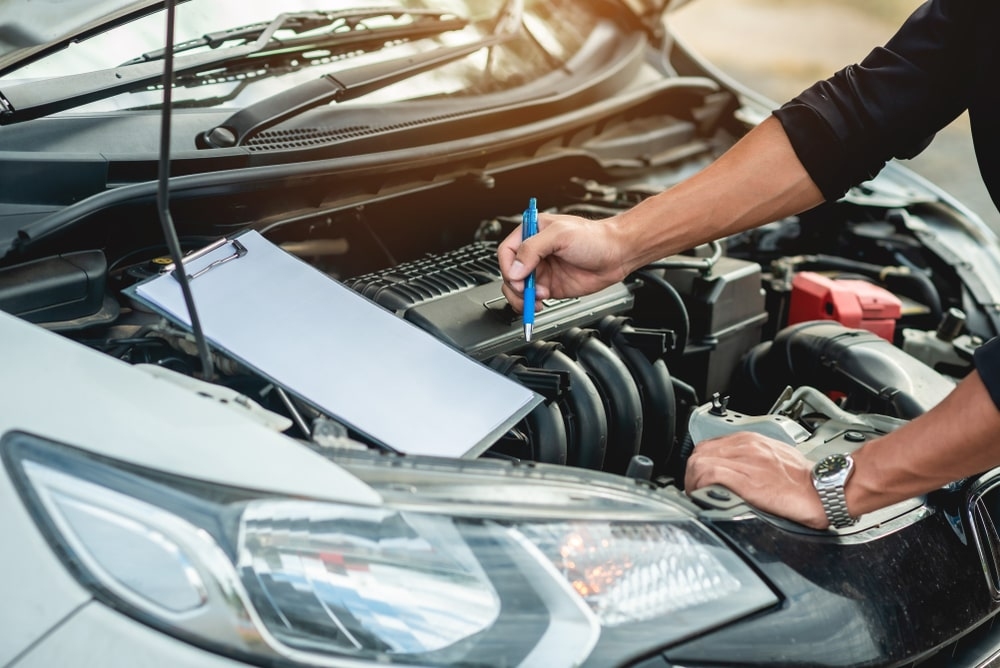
(875, 375)
(618, 392)
(586, 421)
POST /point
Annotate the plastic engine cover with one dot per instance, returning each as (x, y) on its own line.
(852, 303)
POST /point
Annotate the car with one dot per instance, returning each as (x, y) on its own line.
(263, 402)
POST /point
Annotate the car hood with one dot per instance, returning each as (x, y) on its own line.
(29, 28)
(117, 410)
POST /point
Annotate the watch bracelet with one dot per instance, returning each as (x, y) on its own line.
(835, 507)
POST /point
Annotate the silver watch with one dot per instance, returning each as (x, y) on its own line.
(829, 477)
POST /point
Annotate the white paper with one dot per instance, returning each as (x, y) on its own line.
(344, 354)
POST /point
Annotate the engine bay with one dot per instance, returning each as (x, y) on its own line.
(862, 300)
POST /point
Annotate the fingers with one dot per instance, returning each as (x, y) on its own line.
(515, 297)
(569, 258)
(749, 453)
(517, 259)
(511, 267)
(768, 474)
(531, 253)
(712, 463)
(512, 270)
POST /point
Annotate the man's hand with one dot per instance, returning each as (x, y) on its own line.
(768, 474)
(571, 257)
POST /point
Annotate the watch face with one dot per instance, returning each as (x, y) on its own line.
(831, 465)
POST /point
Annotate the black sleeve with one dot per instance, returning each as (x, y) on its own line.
(845, 128)
(987, 360)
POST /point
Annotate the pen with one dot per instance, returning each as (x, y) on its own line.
(529, 228)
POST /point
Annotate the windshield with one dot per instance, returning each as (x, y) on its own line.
(552, 30)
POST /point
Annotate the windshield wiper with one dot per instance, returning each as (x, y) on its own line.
(351, 83)
(35, 99)
(346, 28)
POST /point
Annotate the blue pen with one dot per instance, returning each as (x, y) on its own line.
(529, 228)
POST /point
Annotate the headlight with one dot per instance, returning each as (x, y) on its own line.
(524, 571)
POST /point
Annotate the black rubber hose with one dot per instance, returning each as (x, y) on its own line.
(683, 322)
(582, 409)
(544, 426)
(830, 357)
(546, 431)
(916, 285)
(656, 388)
(685, 392)
(618, 392)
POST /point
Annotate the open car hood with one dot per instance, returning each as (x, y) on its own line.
(29, 29)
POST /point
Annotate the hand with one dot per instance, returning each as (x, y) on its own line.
(571, 257)
(768, 474)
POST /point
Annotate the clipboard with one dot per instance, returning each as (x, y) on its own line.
(338, 351)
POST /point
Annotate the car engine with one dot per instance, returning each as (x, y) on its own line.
(882, 321)
(623, 370)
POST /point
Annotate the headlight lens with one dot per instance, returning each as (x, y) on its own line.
(363, 579)
(433, 583)
(637, 571)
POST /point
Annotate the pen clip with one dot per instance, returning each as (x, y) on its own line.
(529, 220)
(240, 251)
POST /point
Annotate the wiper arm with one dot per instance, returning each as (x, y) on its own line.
(35, 99)
(350, 84)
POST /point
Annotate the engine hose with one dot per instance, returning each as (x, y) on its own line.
(544, 425)
(581, 406)
(642, 351)
(821, 261)
(685, 392)
(830, 357)
(911, 283)
(546, 431)
(618, 392)
(683, 322)
(916, 285)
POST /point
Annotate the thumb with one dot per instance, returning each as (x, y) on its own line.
(530, 254)
(518, 271)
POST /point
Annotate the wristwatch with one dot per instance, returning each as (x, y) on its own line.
(829, 477)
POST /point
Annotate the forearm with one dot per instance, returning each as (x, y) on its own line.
(957, 438)
(758, 180)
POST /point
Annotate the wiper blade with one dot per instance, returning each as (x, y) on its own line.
(253, 32)
(35, 99)
(350, 84)
(345, 27)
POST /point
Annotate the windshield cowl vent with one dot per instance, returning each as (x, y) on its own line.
(294, 138)
(276, 140)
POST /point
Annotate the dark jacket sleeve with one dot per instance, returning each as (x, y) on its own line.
(845, 129)
(987, 361)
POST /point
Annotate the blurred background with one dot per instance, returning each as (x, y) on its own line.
(778, 47)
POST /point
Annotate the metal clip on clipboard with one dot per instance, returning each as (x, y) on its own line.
(240, 251)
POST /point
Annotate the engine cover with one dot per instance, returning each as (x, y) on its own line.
(456, 297)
